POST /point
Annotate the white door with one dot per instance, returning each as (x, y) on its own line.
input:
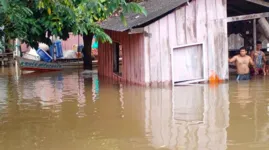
(188, 63)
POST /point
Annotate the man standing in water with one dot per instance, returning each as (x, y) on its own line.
(242, 62)
(259, 59)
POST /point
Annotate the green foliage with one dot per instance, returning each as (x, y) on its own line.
(18, 19)
(35, 21)
(15, 16)
(93, 11)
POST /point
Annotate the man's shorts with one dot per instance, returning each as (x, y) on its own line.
(243, 77)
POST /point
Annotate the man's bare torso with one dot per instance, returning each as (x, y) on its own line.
(242, 64)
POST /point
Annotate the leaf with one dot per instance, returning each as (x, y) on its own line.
(5, 4)
(49, 11)
(123, 19)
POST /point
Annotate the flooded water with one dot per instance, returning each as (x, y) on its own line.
(71, 111)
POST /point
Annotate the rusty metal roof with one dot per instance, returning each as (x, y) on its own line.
(155, 9)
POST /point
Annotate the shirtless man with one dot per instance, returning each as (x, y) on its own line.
(259, 59)
(242, 62)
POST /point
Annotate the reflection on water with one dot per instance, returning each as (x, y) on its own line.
(70, 111)
(195, 118)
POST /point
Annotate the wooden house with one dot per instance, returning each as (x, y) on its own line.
(179, 40)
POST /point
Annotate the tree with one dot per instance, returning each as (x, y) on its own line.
(87, 14)
(35, 21)
(16, 18)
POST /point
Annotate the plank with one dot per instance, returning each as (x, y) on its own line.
(172, 30)
(180, 25)
(125, 53)
(247, 17)
(132, 61)
(136, 31)
(201, 28)
(141, 48)
(211, 16)
(190, 27)
(221, 41)
(221, 7)
(136, 67)
(146, 57)
(164, 49)
(172, 38)
(254, 34)
(190, 82)
(154, 52)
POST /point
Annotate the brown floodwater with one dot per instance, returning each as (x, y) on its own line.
(72, 111)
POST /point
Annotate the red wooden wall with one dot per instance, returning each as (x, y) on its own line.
(132, 55)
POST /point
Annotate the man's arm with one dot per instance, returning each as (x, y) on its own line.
(232, 59)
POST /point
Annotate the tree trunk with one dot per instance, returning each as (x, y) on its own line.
(87, 49)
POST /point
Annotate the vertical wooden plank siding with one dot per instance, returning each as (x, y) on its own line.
(154, 53)
(201, 28)
(146, 58)
(172, 40)
(211, 17)
(180, 29)
(202, 21)
(164, 49)
(132, 55)
(190, 27)
(223, 41)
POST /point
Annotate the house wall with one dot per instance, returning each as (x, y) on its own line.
(202, 21)
(132, 57)
(66, 45)
(71, 41)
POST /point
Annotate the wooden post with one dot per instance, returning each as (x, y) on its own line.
(17, 47)
(254, 34)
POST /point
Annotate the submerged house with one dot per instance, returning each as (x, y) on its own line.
(179, 40)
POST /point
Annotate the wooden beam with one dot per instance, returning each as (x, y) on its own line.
(259, 2)
(254, 34)
(247, 17)
(136, 31)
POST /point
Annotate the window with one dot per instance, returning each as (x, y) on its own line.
(117, 48)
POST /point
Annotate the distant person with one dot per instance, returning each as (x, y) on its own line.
(242, 62)
(259, 59)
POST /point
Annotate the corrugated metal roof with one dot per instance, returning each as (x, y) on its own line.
(155, 9)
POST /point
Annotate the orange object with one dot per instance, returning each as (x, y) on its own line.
(79, 55)
(214, 78)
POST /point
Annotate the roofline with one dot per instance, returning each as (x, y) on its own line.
(259, 2)
(159, 17)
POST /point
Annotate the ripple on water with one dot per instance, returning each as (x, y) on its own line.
(44, 110)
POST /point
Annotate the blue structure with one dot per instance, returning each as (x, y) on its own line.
(44, 55)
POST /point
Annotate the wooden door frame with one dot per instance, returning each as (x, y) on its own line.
(188, 45)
